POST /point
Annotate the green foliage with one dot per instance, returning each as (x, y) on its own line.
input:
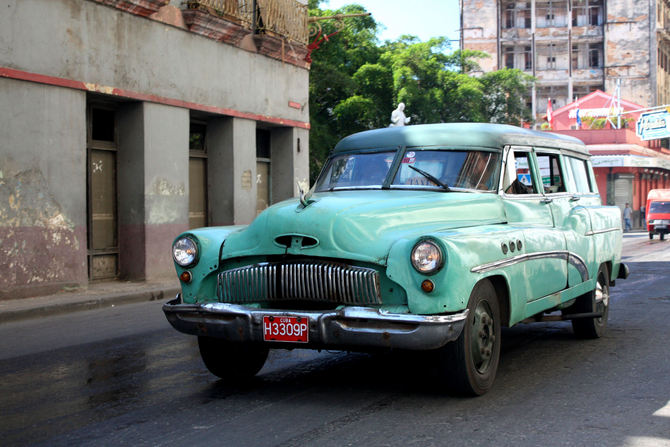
(356, 82)
(505, 90)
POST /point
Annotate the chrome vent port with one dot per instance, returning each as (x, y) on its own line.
(296, 240)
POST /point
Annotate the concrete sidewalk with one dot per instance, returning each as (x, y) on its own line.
(94, 296)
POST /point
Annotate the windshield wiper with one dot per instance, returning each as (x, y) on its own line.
(431, 178)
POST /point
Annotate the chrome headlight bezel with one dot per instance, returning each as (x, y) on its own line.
(185, 251)
(427, 257)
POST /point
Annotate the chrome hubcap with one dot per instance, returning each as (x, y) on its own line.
(482, 337)
(602, 298)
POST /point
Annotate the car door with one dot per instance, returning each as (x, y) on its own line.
(584, 200)
(567, 204)
(543, 248)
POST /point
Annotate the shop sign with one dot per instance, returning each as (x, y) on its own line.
(629, 161)
(596, 113)
(653, 125)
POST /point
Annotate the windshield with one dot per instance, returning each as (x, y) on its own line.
(354, 171)
(419, 169)
(659, 207)
(453, 168)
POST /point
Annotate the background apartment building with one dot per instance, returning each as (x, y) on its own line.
(574, 47)
(126, 122)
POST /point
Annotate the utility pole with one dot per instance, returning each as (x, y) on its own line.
(618, 103)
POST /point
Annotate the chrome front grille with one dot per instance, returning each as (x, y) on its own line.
(327, 282)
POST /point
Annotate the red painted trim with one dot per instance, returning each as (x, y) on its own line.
(90, 87)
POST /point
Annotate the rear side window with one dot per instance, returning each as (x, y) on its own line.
(550, 171)
(518, 178)
(659, 207)
(578, 175)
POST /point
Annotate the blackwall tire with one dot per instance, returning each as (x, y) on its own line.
(231, 361)
(470, 363)
(598, 300)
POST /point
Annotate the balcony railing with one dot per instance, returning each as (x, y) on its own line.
(283, 18)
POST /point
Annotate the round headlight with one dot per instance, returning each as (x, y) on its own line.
(427, 257)
(185, 251)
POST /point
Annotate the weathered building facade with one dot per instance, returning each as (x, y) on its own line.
(625, 166)
(574, 47)
(125, 122)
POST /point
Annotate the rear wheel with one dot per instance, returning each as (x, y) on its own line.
(597, 300)
(651, 235)
(470, 363)
(232, 361)
(662, 236)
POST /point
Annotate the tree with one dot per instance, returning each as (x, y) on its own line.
(356, 82)
(332, 78)
(504, 92)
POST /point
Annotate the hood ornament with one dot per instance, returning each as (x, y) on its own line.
(305, 194)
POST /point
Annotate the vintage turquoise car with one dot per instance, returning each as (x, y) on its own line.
(427, 237)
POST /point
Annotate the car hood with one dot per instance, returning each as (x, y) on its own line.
(361, 225)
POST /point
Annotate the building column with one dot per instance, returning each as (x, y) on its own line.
(231, 170)
(290, 162)
(42, 188)
(166, 183)
(153, 187)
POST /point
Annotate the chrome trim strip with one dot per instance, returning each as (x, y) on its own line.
(578, 262)
(562, 254)
(606, 230)
(574, 259)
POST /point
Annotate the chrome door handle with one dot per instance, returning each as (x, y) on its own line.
(547, 200)
(575, 198)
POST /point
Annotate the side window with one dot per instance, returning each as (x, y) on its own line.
(578, 171)
(518, 178)
(550, 172)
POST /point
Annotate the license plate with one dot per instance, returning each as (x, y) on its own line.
(286, 328)
(660, 227)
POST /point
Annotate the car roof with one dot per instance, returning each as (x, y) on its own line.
(457, 135)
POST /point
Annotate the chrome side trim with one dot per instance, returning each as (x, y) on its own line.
(606, 230)
(572, 258)
(579, 263)
(563, 254)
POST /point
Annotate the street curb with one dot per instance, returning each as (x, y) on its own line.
(98, 302)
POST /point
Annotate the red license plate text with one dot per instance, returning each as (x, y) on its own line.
(291, 329)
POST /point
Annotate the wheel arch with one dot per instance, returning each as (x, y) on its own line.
(610, 272)
(501, 287)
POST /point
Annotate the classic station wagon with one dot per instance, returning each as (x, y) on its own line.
(426, 237)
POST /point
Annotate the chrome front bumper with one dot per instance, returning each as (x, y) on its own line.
(347, 328)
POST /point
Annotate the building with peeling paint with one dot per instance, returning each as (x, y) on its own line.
(126, 122)
(574, 47)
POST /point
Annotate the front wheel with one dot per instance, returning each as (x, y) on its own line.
(598, 300)
(470, 362)
(231, 361)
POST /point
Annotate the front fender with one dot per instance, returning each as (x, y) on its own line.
(203, 283)
(464, 250)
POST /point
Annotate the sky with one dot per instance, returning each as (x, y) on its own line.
(422, 18)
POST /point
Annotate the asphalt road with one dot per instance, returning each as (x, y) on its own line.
(123, 376)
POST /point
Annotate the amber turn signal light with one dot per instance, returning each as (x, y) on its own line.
(185, 276)
(427, 286)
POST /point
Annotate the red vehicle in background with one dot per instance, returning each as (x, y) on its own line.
(658, 212)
